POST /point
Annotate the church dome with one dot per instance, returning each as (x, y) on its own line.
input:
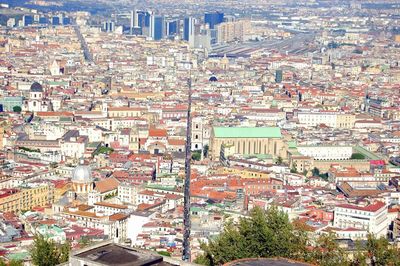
(213, 79)
(82, 174)
(36, 87)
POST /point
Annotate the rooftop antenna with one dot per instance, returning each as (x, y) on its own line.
(186, 203)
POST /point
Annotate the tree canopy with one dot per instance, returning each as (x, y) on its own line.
(357, 156)
(17, 109)
(11, 263)
(266, 234)
(196, 155)
(46, 252)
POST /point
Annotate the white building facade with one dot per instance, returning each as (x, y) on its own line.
(373, 218)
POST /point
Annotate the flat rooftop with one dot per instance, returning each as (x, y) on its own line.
(116, 255)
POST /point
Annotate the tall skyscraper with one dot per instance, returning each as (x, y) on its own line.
(141, 19)
(109, 26)
(66, 21)
(213, 19)
(135, 18)
(173, 28)
(43, 20)
(143, 22)
(27, 20)
(147, 18)
(188, 28)
(134, 23)
(157, 27)
(55, 21)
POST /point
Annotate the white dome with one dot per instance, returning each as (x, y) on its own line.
(82, 174)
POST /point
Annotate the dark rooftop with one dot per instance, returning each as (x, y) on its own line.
(116, 255)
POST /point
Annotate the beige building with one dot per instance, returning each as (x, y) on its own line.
(301, 163)
(124, 111)
(244, 172)
(233, 31)
(345, 120)
(248, 140)
(25, 198)
(3, 124)
(331, 119)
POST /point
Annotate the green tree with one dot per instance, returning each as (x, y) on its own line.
(228, 246)
(279, 160)
(17, 109)
(46, 252)
(64, 251)
(359, 256)
(84, 241)
(205, 151)
(315, 171)
(103, 150)
(270, 234)
(164, 253)
(327, 252)
(263, 234)
(294, 168)
(381, 253)
(357, 156)
(11, 263)
(196, 155)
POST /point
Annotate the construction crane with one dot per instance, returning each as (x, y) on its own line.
(188, 157)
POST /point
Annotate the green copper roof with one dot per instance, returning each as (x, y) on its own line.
(160, 187)
(292, 144)
(18, 256)
(369, 155)
(58, 83)
(258, 156)
(247, 132)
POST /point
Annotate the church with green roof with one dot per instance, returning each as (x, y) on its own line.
(247, 140)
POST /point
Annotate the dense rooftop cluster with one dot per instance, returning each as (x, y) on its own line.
(93, 132)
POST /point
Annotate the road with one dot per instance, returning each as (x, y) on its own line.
(86, 52)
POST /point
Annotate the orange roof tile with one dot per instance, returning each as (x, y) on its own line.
(106, 185)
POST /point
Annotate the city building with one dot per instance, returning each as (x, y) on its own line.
(331, 119)
(27, 20)
(233, 31)
(107, 253)
(213, 19)
(373, 217)
(26, 197)
(256, 140)
(109, 26)
(189, 29)
(157, 27)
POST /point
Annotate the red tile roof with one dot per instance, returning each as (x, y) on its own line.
(370, 208)
(154, 132)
